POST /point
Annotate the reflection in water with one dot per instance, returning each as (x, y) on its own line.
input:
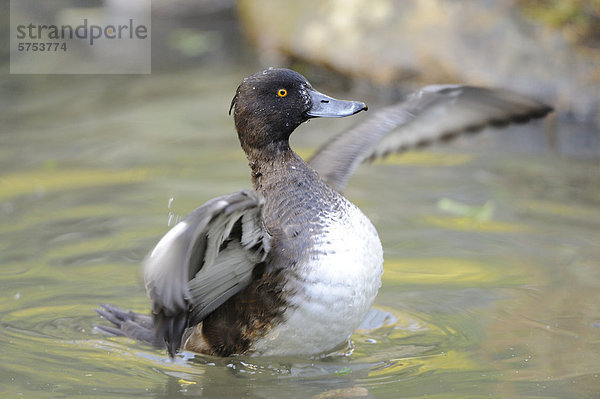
(487, 302)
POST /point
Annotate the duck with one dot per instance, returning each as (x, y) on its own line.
(292, 267)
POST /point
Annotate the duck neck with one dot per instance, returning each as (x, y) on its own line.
(271, 162)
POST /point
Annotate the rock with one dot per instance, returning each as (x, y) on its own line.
(486, 43)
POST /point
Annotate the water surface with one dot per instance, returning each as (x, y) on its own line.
(492, 251)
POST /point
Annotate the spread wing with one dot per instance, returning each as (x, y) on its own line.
(204, 260)
(434, 113)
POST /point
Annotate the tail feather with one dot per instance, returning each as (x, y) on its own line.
(129, 324)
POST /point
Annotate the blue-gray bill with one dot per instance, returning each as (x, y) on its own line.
(324, 106)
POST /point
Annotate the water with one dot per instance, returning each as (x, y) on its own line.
(492, 252)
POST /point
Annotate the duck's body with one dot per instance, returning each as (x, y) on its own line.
(291, 267)
(330, 256)
(321, 275)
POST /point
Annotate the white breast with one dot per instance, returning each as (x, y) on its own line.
(334, 289)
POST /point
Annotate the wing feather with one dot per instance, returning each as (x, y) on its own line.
(434, 113)
(204, 260)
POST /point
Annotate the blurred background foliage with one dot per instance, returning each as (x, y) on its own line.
(578, 19)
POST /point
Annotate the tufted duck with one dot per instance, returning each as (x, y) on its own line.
(292, 267)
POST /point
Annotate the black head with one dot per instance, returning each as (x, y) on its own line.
(269, 105)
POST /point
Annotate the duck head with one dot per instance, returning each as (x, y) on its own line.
(269, 105)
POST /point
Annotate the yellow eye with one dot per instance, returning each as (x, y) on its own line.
(282, 92)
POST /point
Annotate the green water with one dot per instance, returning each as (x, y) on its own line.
(492, 254)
